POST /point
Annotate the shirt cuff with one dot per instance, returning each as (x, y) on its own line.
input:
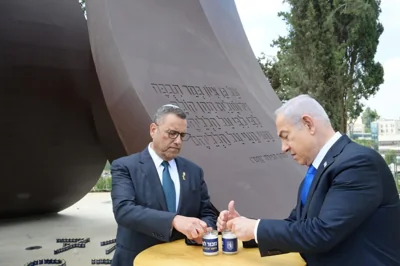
(255, 230)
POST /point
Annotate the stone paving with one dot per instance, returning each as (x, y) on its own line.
(90, 217)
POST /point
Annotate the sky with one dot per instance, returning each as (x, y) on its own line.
(262, 25)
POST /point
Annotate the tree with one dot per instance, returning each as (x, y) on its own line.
(368, 143)
(329, 53)
(390, 157)
(83, 6)
(269, 67)
(368, 117)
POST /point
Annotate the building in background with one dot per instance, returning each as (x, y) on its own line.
(374, 131)
(384, 137)
(357, 130)
(386, 132)
(388, 135)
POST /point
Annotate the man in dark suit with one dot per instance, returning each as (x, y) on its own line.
(157, 196)
(348, 208)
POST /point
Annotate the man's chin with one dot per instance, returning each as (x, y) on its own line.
(299, 161)
(172, 154)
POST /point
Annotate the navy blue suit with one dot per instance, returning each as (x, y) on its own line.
(140, 208)
(351, 216)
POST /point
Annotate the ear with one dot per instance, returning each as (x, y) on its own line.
(153, 128)
(308, 123)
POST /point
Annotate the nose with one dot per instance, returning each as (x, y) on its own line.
(285, 147)
(178, 140)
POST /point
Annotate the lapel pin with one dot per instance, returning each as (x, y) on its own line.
(184, 176)
(324, 164)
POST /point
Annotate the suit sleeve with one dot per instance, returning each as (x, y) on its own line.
(292, 216)
(254, 242)
(129, 214)
(355, 193)
(207, 213)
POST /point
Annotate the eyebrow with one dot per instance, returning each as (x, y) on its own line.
(176, 131)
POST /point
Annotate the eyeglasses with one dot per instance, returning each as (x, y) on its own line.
(172, 134)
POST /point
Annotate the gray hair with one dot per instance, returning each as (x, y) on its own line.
(168, 109)
(301, 105)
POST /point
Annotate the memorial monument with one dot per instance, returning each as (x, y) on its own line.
(195, 54)
(65, 113)
(50, 150)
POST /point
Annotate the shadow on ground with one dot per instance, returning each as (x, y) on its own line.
(90, 217)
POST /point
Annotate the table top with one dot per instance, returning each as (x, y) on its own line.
(178, 253)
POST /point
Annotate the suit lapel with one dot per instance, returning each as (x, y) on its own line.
(328, 160)
(299, 208)
(152, 177)
(184, 180)
(321, 169)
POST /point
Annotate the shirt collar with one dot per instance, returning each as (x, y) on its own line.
(157, 159)
(320, 156)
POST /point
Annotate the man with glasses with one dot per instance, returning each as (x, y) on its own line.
(158, 196)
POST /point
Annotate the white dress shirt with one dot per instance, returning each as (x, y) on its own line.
(317, 161)
(173, 171)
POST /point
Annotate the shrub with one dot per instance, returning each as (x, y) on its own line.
(102, 185)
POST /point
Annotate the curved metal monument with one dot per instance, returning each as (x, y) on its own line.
(195, 54)
(232, 38)
(50, 150)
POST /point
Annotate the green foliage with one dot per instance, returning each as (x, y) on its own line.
(107, 167)
(368, 143)
(368, 117)
(103, 184)
(83, 4)
(271, 71)
(390, 157)
(329, 54)
(397, 178)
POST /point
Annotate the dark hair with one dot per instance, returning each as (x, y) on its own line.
(168, 109)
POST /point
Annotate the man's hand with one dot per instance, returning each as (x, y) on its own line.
(192, 228)
(198, 240)
(242, 227)
(227, 215)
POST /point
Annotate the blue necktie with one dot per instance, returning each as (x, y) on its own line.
(169, 188)
(307, 183)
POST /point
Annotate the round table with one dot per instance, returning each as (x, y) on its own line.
(178, 253)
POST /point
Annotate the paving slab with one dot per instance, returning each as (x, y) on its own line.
(91, 217)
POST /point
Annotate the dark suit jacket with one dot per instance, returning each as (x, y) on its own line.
(140, 208)
(351, 216)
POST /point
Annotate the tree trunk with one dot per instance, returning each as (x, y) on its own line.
(344, 124)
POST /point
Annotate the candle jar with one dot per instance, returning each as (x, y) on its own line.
(210, 243)
(229, 243)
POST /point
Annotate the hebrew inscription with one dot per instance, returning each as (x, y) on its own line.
(218, 117)
(268, 157)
